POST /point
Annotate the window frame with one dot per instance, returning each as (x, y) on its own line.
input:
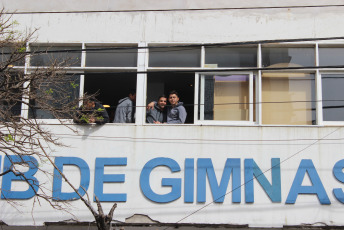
(324, 122)
(142, 68)
(198, 84)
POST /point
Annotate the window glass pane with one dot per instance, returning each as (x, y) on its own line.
(226, 97)
(331, 56)
(230, 57)
(333, 97)
(72, 58)
(288, 98)
(11, 95)
(105, 57)
(174, 57)
(279, 57)
(59, 94)
(13, 56)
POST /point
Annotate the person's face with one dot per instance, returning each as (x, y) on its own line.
(162, 102)
(90, 105)
(173, 99)
(132, 97)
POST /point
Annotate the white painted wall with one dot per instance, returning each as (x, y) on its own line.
(110, 5)
(143, 143)
(186, 26)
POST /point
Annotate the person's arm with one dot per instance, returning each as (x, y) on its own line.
(149, 117)
(151, 105)
(128, 114)
(120, 115)
(182, 114)
(103, 116)
(78, 115)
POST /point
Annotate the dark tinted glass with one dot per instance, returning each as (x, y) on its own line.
(65, 92)
(64, 55)
(111, 57)
(174, 57)
(298, 56)
(231, 56)
(331, 56)
(11, 95)
(333, 97)
(9, 55)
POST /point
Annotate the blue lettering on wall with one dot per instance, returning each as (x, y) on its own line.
(174, 183)
(189, 180)
(58, 195)
(28, 176)
(205, 167)
(307, 166)
(273, 190)
(205, 171)
(100, 178)
(339, 175)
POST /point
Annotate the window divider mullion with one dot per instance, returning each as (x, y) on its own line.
(196, 101)
(202, 87)
(259, 87)
(250, 111)
(319, 104)
(24, 106)
(82, 76)
(141, 85)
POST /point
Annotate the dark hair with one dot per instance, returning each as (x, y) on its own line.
(161, 96)
(173, 92)
(132, 91)
(92, 99)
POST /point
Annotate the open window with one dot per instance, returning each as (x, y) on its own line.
(159, 84)
(109, 88)
(225, 98)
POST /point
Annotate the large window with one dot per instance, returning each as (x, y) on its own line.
(267, 84)
(64, 90)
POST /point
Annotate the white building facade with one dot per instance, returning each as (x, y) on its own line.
(260, 147)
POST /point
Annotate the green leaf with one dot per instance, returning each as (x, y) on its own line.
(74, 85)
(49, 91)
(84, 118)
(8, 138)
(21, 50)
